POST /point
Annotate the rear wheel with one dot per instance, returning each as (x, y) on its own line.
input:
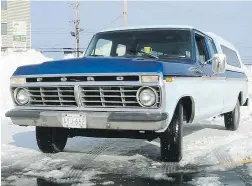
(51, 139)
(232, 119)
(171, 139)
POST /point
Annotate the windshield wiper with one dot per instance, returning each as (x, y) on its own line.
(142, 52)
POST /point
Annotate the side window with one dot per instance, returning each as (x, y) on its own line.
(232, 58)
(201, 52)
(120, 50)
(212, 46)
(103, 47)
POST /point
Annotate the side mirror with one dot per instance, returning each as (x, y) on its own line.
(219, 63)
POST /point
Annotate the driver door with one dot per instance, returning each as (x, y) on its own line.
(211, 93)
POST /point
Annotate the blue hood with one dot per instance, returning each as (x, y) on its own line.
(107, 65)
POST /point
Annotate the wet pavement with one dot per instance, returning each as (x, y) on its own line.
(187, 178)
(120, 162)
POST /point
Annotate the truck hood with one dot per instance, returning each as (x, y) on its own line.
(95, 65)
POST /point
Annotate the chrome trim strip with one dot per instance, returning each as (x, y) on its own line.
(77, 95)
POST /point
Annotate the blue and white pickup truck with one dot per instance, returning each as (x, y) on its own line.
(141, 82)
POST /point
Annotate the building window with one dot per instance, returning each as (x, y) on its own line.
(3, 28)
(232, 58)
(4, 4)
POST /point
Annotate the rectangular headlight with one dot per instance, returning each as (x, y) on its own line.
(150, 79)
(17, 81)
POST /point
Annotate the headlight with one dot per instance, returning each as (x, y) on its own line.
(21, 96)
(17, 81)
(149, 79)
(147, 96)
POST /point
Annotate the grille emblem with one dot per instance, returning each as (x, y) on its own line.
(90, 78)
(63, 79)
(39, 79)
(119, 78)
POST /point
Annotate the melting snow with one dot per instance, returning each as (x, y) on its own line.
(108, 183)
(207, 181)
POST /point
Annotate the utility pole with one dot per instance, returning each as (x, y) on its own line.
(125, 13)
(77, 31)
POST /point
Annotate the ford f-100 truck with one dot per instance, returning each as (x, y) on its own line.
(136, 82)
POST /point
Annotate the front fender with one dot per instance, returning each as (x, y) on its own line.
(173, 94)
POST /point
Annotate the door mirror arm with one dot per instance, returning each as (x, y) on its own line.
(208, 61)
(218, 63)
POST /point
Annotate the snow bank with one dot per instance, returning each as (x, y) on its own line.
(9, 63)
(209, 181)
(247, 111)
(250, 169)
(69, 56)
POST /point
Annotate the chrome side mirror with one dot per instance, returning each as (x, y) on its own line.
(219, 63)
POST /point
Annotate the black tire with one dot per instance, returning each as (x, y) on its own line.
(232, 119)
(51, 139)
(171, 139)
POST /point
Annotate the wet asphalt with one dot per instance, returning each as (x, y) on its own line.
(232, 177)
(115, 162)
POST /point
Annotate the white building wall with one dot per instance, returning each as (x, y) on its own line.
(16, 11)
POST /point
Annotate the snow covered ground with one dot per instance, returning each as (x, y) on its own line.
(208, 149)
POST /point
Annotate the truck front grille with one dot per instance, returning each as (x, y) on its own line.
(111, 96)
(52, 96)
(87, 96)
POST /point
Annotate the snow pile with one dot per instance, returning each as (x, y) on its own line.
(9, 63)
(209, 181)
(250, 169)
(246, 112)
(108, 183)
(69, 56)
(105, 49)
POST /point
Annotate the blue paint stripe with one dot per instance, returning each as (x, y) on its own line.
(227, 74)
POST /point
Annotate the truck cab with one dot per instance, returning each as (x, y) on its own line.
(138, 82)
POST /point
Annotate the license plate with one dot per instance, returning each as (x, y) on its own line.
(74, 120)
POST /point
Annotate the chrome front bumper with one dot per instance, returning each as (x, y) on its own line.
(140, 121)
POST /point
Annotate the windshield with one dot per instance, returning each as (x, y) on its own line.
(149, 43)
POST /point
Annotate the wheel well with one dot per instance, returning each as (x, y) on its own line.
(188, 105)
(240, 98)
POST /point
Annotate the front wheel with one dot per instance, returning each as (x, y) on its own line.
(51, 139)
(232, 119)
(171, 139)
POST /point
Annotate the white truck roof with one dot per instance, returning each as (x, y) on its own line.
(219, 40)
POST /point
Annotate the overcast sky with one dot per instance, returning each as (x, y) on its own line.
(51, 20)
